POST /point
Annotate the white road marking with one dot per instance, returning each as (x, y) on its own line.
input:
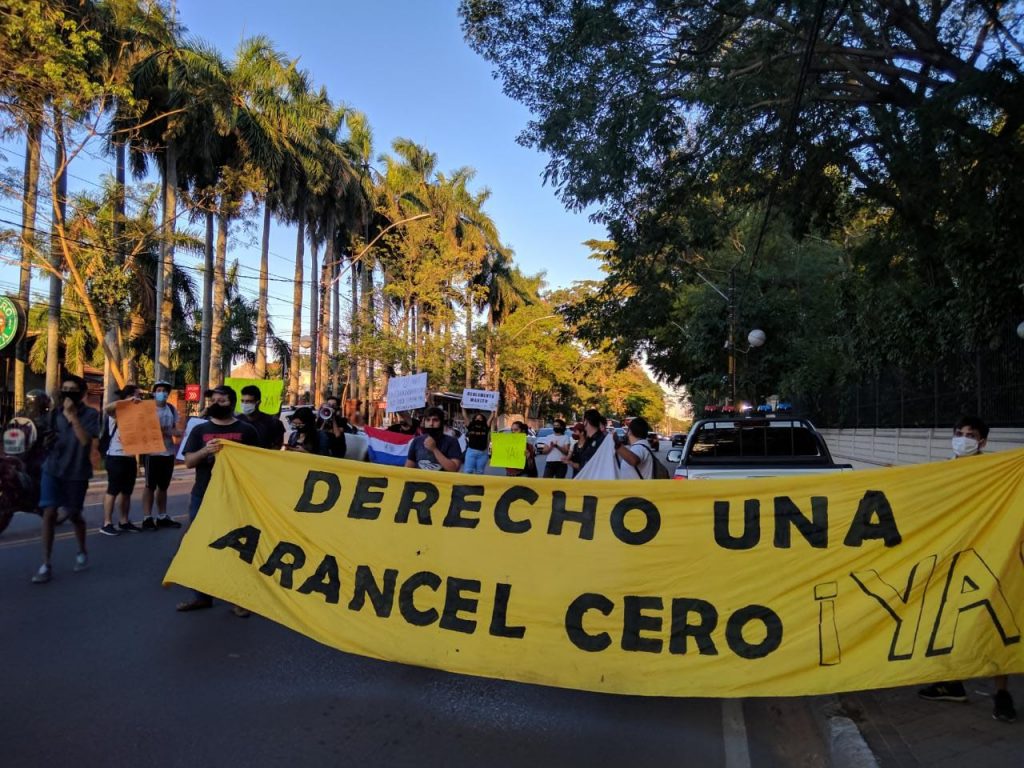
(734, 733)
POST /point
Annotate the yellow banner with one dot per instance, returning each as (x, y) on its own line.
(770, 587)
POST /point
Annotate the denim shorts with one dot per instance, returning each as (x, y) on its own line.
(57, 492)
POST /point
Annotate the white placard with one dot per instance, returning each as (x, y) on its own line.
(407, 393)
(192, 422)
(479, 400)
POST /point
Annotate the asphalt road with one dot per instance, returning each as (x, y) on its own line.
(99, 669)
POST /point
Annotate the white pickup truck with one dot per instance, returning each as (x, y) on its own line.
(760, 446)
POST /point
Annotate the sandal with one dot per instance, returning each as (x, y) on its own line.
(196, 604)
(241, 612)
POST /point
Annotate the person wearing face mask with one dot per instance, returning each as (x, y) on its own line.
(160, 466)
(970, 435)
(305, 437)
(201, 449)
(269, 428)
(530, 466)
(557, 449)
(434, 450)
(478, 436)
(67, 469)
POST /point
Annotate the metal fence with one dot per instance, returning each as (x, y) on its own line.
(988, 383)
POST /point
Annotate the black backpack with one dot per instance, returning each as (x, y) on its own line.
(658, 470)
(106, 435)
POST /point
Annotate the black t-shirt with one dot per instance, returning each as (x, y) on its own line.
(590, 448)
(269, 429)
(238, 431)
(477, 435)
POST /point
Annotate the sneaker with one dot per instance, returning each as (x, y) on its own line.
(953, 691)
(167, 522)
(43, 575)
(81, 562)
(129, 527)
(1003, 708)
(109, 530)
(148, 524)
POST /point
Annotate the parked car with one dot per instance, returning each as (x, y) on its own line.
(653, 441)
(731, 448)
(679, 438)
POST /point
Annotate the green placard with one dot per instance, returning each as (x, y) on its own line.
(270, 392)
(10, 322)
(508, 449)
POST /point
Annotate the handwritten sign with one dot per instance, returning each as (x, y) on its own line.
(479, 400)
(138, 427)
(407, 393)
(188, 431)
(508, 449)
(270, 392)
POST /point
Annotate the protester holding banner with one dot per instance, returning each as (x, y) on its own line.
(593, 429)
(269, 428)
(579, 439)
(969, 437)
(635, 452)
(122, 469)
(201, 448)
(67, 470)
(434, 450)
(160, 466)
(478, 436)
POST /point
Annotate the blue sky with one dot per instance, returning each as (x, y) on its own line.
(405, 65)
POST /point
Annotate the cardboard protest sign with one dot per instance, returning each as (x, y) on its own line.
(138, 426)
(508, 449)
(270, 392)
(189, 426)
(406, 393)
(479, 400)
(779, 586)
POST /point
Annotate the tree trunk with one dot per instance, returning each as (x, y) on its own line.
(490, 359)
(324, 326)
(29, 197)
(165, 269)
(206, 332)
(217, 326)
(468, 378)
(261, 318)
(369, 326)
(300, 257)
(314, 318)
(336, 322)
(113, 320)
(60, 183)
(354, 336)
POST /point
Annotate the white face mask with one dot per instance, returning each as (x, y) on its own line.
(964, 446)
(248, 408)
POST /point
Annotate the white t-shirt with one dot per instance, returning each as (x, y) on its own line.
(646, 465)
(563, 440)
(115, 449)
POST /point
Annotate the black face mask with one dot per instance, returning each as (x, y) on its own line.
(220, 411)
(434, 432)
(559, 430)
(74, 397)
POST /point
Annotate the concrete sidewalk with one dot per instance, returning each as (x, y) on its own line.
(902, 730)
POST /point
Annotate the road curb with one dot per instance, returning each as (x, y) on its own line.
(846, 745)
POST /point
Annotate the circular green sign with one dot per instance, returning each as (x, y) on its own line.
(10, 322)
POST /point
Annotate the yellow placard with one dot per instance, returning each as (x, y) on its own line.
(508, 449)
(763, 587)
(270, 392)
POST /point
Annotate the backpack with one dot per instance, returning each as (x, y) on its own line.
(20, 436)
(106, 435)
(658, 470)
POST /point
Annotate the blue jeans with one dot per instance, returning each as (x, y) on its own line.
(476, 461)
